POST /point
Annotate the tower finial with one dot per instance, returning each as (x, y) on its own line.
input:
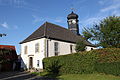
(72, 8)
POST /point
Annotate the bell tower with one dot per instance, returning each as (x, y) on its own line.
(72, 20)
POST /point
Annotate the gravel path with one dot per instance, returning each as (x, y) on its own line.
(21, 76)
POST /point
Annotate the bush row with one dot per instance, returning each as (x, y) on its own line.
(108, 68)
(102, 61)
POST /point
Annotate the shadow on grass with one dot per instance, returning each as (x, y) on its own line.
(51, 76)
(52, 71)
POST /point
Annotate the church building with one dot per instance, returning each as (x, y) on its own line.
(51, 40)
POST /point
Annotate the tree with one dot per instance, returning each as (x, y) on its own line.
(80, 46)
(1, 35)
(107, 32)
(86, 34)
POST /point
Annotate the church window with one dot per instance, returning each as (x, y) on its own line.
(36, 47)
(71, 48)
(70, 22)
(25, 49)
(37, 63)
(91, 48)
(56, 48)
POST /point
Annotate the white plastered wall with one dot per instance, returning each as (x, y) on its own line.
(64, 47)
(31, 53)
(88, 48)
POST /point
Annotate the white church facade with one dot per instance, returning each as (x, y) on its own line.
(51, 40)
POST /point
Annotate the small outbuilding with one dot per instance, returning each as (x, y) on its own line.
(8, 58)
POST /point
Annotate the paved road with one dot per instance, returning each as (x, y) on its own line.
(21, 76)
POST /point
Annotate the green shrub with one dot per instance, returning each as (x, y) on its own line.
(74, 63)
(54, 67)
(80, 46)
(108, 68)
(105, 60)
(108, 61)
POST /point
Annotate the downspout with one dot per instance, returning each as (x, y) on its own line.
(45, 41)
(45, 47)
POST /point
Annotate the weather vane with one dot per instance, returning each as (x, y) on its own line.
(72, 8)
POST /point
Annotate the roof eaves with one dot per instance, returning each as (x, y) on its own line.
(32, 39)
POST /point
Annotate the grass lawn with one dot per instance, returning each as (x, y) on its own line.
(88, 77)
(95, 76)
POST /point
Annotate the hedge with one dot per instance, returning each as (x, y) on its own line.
(108, 68)
(102, 61)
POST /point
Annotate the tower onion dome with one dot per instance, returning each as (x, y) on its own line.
(72, 15)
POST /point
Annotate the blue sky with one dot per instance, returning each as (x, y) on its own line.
(19, 18)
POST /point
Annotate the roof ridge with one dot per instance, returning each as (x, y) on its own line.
(57, 25)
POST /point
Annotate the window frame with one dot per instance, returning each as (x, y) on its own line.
(71, 48)
(38, 63)
(36, 47)
(25, 49)
(56, 48)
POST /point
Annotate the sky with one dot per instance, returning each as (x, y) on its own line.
(20, 18)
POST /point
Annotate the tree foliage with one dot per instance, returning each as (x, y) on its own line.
(1, 35)
(107, 32)
(80, 46)
(86, 34)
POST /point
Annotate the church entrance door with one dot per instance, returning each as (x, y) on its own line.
(31, 62)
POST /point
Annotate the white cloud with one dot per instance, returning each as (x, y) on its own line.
(110, 5)
(15, 27)
(17, 3)
(8, 26)
(20, 4)
(37, 19)
(88, 22)
(59, 20)
(116, 12)
(108, 8)
(101, 2)
(92, 20)
(5, 25)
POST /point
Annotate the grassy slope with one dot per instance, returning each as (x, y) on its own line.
(88, 77)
